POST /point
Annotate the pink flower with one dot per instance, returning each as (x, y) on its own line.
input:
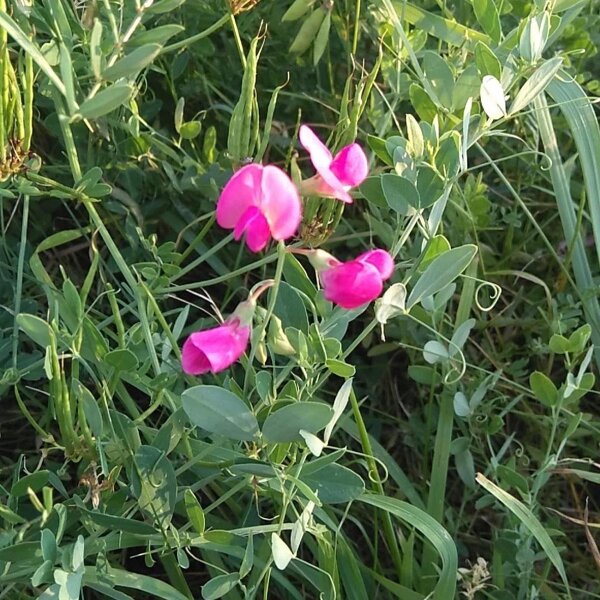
(356, 282)
(262, 202)
(217, 348)
(335, 175)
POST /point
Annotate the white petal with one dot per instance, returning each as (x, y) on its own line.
(492, 97)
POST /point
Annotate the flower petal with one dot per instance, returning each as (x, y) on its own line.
(321, 159)
(214, 349)
(319, 153)
(256, 228)
(240, 192)
(351, 284)
(280, 203)
(350, 165)
(381, 260)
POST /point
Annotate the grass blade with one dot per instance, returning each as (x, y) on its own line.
(530, 521)
(433, 532)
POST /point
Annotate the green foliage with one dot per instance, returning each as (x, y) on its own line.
(442, 445)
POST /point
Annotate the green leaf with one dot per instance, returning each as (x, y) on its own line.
(36, 481)
(443, 270)
(22, 39)
(92, 413)
(422, 103)
(131, 64)
(487, 16)
(37, 329)
(121, 360)
(559, 344)
(430, 187)
(190, 130)
(106, 101)
(143, 584)
(114, 523)
(435, 352)
(284, 425)
(194, 511)
(10, 516)
(219, 411)
(290, 308)
(220, 585)
(334, 484)
(440, 77)
(157, 35)
(536, 84)
(154, 484)
(399, 193)
(340, 368)
(543, 389)
(486, 61)
(436, 246)
(416, 143)
(96, 48)
(530, 521)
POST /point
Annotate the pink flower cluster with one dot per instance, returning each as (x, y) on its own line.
(261, 202)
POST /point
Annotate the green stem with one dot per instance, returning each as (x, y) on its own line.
(238, 40)
(221, 278)
(19, 290)
(439, 475)
(198, 36)
(388, 528)
(204, 257)
(281, 254)
(356, 27)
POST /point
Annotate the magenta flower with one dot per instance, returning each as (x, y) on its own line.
(356, 282)
(335, 175)
(261, 202)
(217, 348)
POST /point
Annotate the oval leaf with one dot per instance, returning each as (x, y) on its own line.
(219, 411)
(106, 101)
(444, 269)
(284, 425)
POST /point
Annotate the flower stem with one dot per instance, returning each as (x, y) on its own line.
(388, 528)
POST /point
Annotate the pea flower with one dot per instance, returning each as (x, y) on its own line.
(260, 202)
(335, 174)
(213, 350)
(353, 283)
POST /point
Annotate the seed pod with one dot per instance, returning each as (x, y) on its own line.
(298, 9)
(308, 32)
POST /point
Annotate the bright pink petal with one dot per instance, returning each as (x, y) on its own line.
(322, 188)
(240, 192)
(256, 228)
(280, 203)
(319, 153)
(321, 159)
(351, 284)
(381, 260)
(214, 349)
(350, 165)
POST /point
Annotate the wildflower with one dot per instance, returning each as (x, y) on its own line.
(493, 100)
(217, 348)
(335, 175)
(260, 202)
(353, 283)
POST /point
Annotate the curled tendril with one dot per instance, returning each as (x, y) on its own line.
(377, 460)
(494, 295)
(448, 380)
